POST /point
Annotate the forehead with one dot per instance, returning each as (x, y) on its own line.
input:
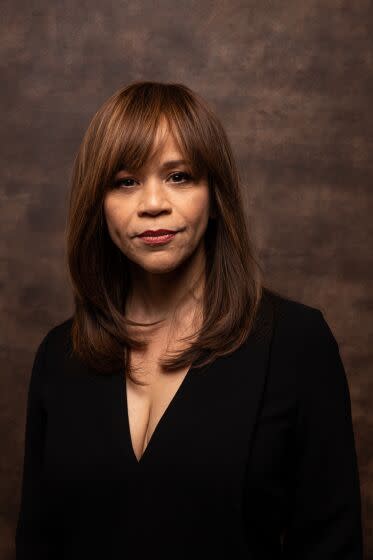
(165, 142)
(165, 151)
(162, 147)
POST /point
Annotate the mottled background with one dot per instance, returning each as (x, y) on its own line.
(292, 82)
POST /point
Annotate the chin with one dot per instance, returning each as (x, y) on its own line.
(162, 270)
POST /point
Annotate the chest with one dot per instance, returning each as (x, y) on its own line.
(146, 404)
(215, 442)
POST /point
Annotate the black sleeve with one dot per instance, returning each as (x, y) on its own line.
(325, 516)
(31, 534)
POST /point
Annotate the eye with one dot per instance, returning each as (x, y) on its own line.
(187, 176)
(177, 175)
(120, 182)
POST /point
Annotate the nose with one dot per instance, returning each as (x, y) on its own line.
(153, 197)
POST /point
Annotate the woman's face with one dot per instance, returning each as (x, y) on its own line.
(162, 195)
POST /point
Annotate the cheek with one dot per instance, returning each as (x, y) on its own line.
(116, 221)
(196, 208)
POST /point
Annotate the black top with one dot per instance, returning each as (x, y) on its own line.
(254, 458)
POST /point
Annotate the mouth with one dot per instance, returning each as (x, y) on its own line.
(157, 238)
(157, 232)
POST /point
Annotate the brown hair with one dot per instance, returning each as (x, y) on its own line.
(122, 131)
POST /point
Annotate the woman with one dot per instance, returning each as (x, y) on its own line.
(184, 409)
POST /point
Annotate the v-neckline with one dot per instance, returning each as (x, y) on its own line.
(163, 418)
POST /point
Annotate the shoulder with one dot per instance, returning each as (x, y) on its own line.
(57, 340)
(49, 355)
(302, 341)
(288, 310)
(298, 323)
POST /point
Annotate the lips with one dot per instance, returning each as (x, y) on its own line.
(156, 232)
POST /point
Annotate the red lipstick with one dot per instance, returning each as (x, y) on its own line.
(158, 236)
(154, 232)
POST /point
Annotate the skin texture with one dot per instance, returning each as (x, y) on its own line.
(157, 198)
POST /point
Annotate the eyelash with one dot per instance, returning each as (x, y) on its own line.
(188, 177)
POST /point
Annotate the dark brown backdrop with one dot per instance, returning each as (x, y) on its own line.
(293, 84)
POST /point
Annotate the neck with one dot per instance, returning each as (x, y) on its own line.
(156, 295)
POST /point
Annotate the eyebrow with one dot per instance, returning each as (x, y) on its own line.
(173, 162)
(166, 164)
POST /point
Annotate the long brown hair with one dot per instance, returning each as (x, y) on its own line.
(122, 131)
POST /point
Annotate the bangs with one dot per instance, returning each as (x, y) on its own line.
(131, 132)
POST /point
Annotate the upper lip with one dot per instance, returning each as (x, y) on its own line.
(151, 232)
